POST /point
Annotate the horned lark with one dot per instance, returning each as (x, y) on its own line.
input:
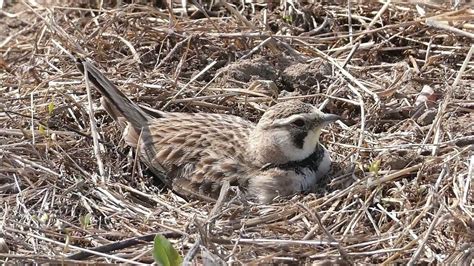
(196, 152)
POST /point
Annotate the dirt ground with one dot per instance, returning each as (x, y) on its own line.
(401, 74)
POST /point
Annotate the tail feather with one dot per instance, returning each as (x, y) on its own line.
(121, 108)
(114, 97)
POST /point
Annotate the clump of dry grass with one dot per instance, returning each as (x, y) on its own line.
(401, 186)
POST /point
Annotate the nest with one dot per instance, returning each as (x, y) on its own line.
(400, 190)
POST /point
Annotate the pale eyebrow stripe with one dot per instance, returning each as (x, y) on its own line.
(288, 120)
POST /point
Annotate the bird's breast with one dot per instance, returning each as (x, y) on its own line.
(307, 176)
(290, 178)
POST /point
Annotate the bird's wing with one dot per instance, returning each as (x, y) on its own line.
(199, 150)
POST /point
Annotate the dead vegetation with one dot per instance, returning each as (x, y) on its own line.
(402, 74)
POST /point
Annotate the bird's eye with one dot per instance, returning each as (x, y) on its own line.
(299, 122)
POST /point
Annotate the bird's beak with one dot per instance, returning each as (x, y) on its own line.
(328, 118)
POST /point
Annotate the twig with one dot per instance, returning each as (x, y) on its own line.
(31, 163)
(411, 233)
(255, 49)
(284, 242)
(395, 175)
(351, 54)
(349, 21)
(136, 57)
(238, 15)
(347, 74)
(187, 260)
(121, 244)
(173, 51)
(437, 24)
(94, 133)
(220, 200)
(442, 109)
(377, 16)
(418, 251)
(74, 247)
(209, 66)
(316, 217)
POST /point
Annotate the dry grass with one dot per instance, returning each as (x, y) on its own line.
(61, 194)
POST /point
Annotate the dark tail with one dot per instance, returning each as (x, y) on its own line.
(128, 109)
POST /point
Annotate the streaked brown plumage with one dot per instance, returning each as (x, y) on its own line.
(196, 152)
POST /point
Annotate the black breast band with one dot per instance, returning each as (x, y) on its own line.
(312, 162)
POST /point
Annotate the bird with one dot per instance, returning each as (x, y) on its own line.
(195, 153)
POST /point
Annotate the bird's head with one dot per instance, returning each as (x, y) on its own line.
(288, 131)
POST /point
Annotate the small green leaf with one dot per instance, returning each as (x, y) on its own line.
(50, 108)
(42, 130)
(44, 218)
(85, 220)
(68, 241)
(164, 253)
(288, 19)
(374, 167)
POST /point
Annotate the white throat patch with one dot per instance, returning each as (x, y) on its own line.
(294, 153)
